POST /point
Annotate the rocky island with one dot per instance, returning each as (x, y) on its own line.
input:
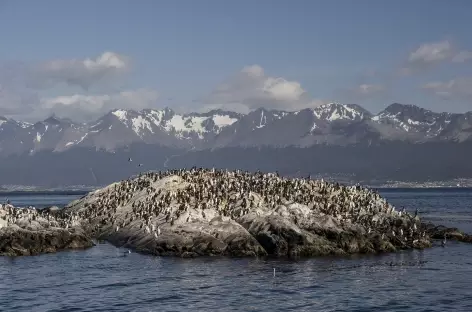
(27, 231)
(199, 212)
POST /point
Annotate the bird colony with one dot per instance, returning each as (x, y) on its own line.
(31, 219)
(155, 204)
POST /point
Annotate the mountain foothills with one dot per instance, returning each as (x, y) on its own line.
(332, 124)
(404, 141)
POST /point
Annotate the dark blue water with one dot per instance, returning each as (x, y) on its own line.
(101, 279)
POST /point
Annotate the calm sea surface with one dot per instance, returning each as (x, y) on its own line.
(102, 279)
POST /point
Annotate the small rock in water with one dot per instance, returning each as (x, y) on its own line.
(28, 231)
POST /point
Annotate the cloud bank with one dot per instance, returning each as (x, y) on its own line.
(76, 72)
(21, 84)
(87, 107)
(429, 55)
(251, 88)
(27, 91)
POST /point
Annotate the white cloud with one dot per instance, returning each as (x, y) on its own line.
(251, 88)
(253, 71)
(76, 72)
(433, 53)
(86, 107)
(22, 83)
(459, 88)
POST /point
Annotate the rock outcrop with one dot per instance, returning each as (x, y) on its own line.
(198, 212)
(442, 232)
(209, 212)
(26, 231)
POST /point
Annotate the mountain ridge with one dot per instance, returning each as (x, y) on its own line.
(331, 124)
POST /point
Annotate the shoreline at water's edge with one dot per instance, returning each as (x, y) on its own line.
(436, 233)
(30, 243)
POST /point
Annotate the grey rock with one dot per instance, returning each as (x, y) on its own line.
(26, 232)
(290, 229)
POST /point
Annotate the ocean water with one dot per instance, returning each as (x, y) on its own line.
(103, 279)
(40, 199)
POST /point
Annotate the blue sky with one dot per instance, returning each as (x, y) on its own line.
(183, 50)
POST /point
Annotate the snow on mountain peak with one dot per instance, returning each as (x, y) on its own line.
(148, 120)
(411, 118)
(335, 111)
(263, 120)
(139, 124)
(155, 116)
(120, 114)
(223, 120)
(181, 124)
(38, 137)
(21, 124)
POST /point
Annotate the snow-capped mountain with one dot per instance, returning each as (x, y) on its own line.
(334, 124)
(414, 119)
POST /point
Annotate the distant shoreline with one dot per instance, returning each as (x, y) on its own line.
(432, 188)
(44, 192)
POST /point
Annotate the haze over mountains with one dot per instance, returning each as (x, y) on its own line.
(401, 142)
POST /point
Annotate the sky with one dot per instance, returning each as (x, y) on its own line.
(80, 59)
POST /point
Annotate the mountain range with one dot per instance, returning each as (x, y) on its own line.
(402, 142)
(330, 124)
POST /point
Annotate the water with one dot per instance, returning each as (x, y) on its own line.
(102, 279)
(449, 207)
(40, 199)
